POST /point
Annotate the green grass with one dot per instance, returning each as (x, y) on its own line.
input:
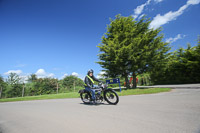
(143, 91)
(41, 97)
(76, 95)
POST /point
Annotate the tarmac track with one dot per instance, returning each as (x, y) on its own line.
(177, 111)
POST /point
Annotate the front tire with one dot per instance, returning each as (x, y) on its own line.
(111, 97)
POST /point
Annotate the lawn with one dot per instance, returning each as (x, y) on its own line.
(143, 91)
(76, 94)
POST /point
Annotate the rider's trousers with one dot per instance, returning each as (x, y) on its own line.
(92, 91)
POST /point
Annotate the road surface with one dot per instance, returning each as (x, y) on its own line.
(177, 111)
(178, 86)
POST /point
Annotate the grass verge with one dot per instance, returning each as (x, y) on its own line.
(143, 91)
(76, 95)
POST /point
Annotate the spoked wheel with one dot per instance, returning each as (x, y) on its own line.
(85, 97)
(111, 97)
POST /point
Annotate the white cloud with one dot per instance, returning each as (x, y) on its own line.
(157, 1)
(141, 16)
(51, 75)
(22, 76)
(101, 74)
(177, 37)
(140, 9)
(42, 74)
(160, 20)
(18, 72)
(64, 76)
(75, 74)
(193, 2)
(20, 65)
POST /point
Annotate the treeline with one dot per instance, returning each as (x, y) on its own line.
(13, 86)
(181, 66)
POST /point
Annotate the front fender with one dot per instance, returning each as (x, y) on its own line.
(109, 89)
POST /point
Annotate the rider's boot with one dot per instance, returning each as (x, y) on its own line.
(94, 102)
(91, 101)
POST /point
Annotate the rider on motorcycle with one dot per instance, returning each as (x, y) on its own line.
(89, 83)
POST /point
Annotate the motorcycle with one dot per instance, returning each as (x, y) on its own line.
(102, 92)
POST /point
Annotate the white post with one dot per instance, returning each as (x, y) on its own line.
(23, 90)
(74, 86)
(57, 87)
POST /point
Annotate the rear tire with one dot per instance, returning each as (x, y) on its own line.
(111, 97)
(86, 97)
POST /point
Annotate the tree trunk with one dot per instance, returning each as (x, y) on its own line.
(134, 80)
(1, 89)
(127, 82)
(57, 87)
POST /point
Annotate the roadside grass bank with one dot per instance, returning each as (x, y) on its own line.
(42, 97)
(76, 94)
(143, 91)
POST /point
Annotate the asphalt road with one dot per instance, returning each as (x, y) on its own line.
(177, 111)
(178, 86)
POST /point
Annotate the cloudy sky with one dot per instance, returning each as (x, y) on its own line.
(55, 38)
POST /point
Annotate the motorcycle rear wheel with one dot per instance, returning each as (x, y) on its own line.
(85, 97)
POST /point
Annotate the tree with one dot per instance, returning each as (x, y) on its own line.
(2, 86)
(47, 85)
(32, 78)
(14, 87)
(182, 66)
(1, 81)
(130, 47)
(69, 82)
(13, 78)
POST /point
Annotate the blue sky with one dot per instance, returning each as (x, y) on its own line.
(53, 38)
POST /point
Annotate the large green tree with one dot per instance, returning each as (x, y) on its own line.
(130, 47)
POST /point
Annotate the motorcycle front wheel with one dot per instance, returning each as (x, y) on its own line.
(111, 97)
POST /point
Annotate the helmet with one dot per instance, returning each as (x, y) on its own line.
(90, 71)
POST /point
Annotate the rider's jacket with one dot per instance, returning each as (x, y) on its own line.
(89, 81)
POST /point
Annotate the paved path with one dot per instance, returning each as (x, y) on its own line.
(178, 86)
(177, 111)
